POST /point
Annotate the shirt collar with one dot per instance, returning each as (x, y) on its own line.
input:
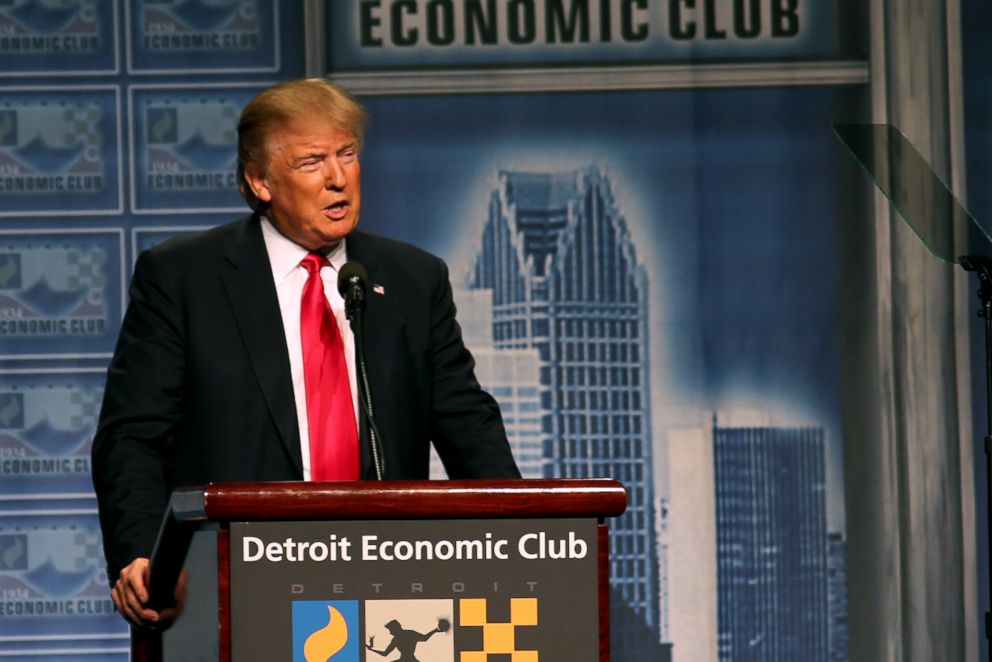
(285, 255)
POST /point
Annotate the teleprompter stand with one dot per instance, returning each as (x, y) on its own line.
(982, 267)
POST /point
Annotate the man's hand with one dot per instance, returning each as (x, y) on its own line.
(130, 596)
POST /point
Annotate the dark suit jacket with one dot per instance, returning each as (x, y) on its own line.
(199, 388)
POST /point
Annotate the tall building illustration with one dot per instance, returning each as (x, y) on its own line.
(692, 557)
(565, 283)
(772, 547)
(837, 596)
(510, 376)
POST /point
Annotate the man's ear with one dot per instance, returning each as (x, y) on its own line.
(257, 182)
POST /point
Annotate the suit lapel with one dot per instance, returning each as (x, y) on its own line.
(251, 292)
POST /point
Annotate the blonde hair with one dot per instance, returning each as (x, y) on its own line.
(280, 105)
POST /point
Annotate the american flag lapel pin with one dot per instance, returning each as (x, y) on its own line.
(378, 289)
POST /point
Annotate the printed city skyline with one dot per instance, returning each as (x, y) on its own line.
(556, 316)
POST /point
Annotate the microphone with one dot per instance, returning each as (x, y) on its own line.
(351, 285)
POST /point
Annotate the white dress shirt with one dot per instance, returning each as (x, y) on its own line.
(290, 277)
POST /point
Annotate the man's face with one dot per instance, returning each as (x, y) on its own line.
(312, 182)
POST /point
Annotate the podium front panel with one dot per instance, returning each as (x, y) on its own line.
(465, 590)
(194, 636)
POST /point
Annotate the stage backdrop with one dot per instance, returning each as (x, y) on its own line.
(639, 201)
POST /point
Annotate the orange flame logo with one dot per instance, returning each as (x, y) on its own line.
(328, 640)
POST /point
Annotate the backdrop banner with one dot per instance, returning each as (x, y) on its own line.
(638, 201)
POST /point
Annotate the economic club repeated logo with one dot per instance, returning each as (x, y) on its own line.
(59, 290)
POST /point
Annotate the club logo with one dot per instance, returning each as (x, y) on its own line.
(237, 35)
(409, 630)
(51, 146)
(498, 638)
(326, 631)
(198, 25)
(47, 422)
(54, 560)
(46, 432)
(36, 27)
(191, 145)
(60, 295)
(53, 291)
(186, 146)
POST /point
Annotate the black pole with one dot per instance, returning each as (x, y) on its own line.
(986, 312)
(982, 267)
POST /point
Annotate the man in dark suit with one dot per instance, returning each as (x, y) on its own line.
(207, 382)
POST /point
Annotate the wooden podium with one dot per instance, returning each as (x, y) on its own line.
(497, 566)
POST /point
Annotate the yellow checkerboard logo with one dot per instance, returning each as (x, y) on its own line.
(498, 638)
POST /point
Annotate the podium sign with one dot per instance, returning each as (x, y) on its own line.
(467, 570)
(470, 590)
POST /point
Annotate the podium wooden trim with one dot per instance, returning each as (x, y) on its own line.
(220, 504)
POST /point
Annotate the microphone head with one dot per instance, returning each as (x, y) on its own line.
(352, 275)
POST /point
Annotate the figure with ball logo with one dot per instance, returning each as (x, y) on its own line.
(405, 641)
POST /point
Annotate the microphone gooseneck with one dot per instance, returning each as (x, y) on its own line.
(351, 285)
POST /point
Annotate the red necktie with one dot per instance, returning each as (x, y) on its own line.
(330, 413)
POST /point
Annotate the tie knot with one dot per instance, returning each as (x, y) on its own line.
(312, 262)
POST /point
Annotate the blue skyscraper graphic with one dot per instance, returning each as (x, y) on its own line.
(837, 596)
(510, 376)
(565, 283)
(771, 533)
